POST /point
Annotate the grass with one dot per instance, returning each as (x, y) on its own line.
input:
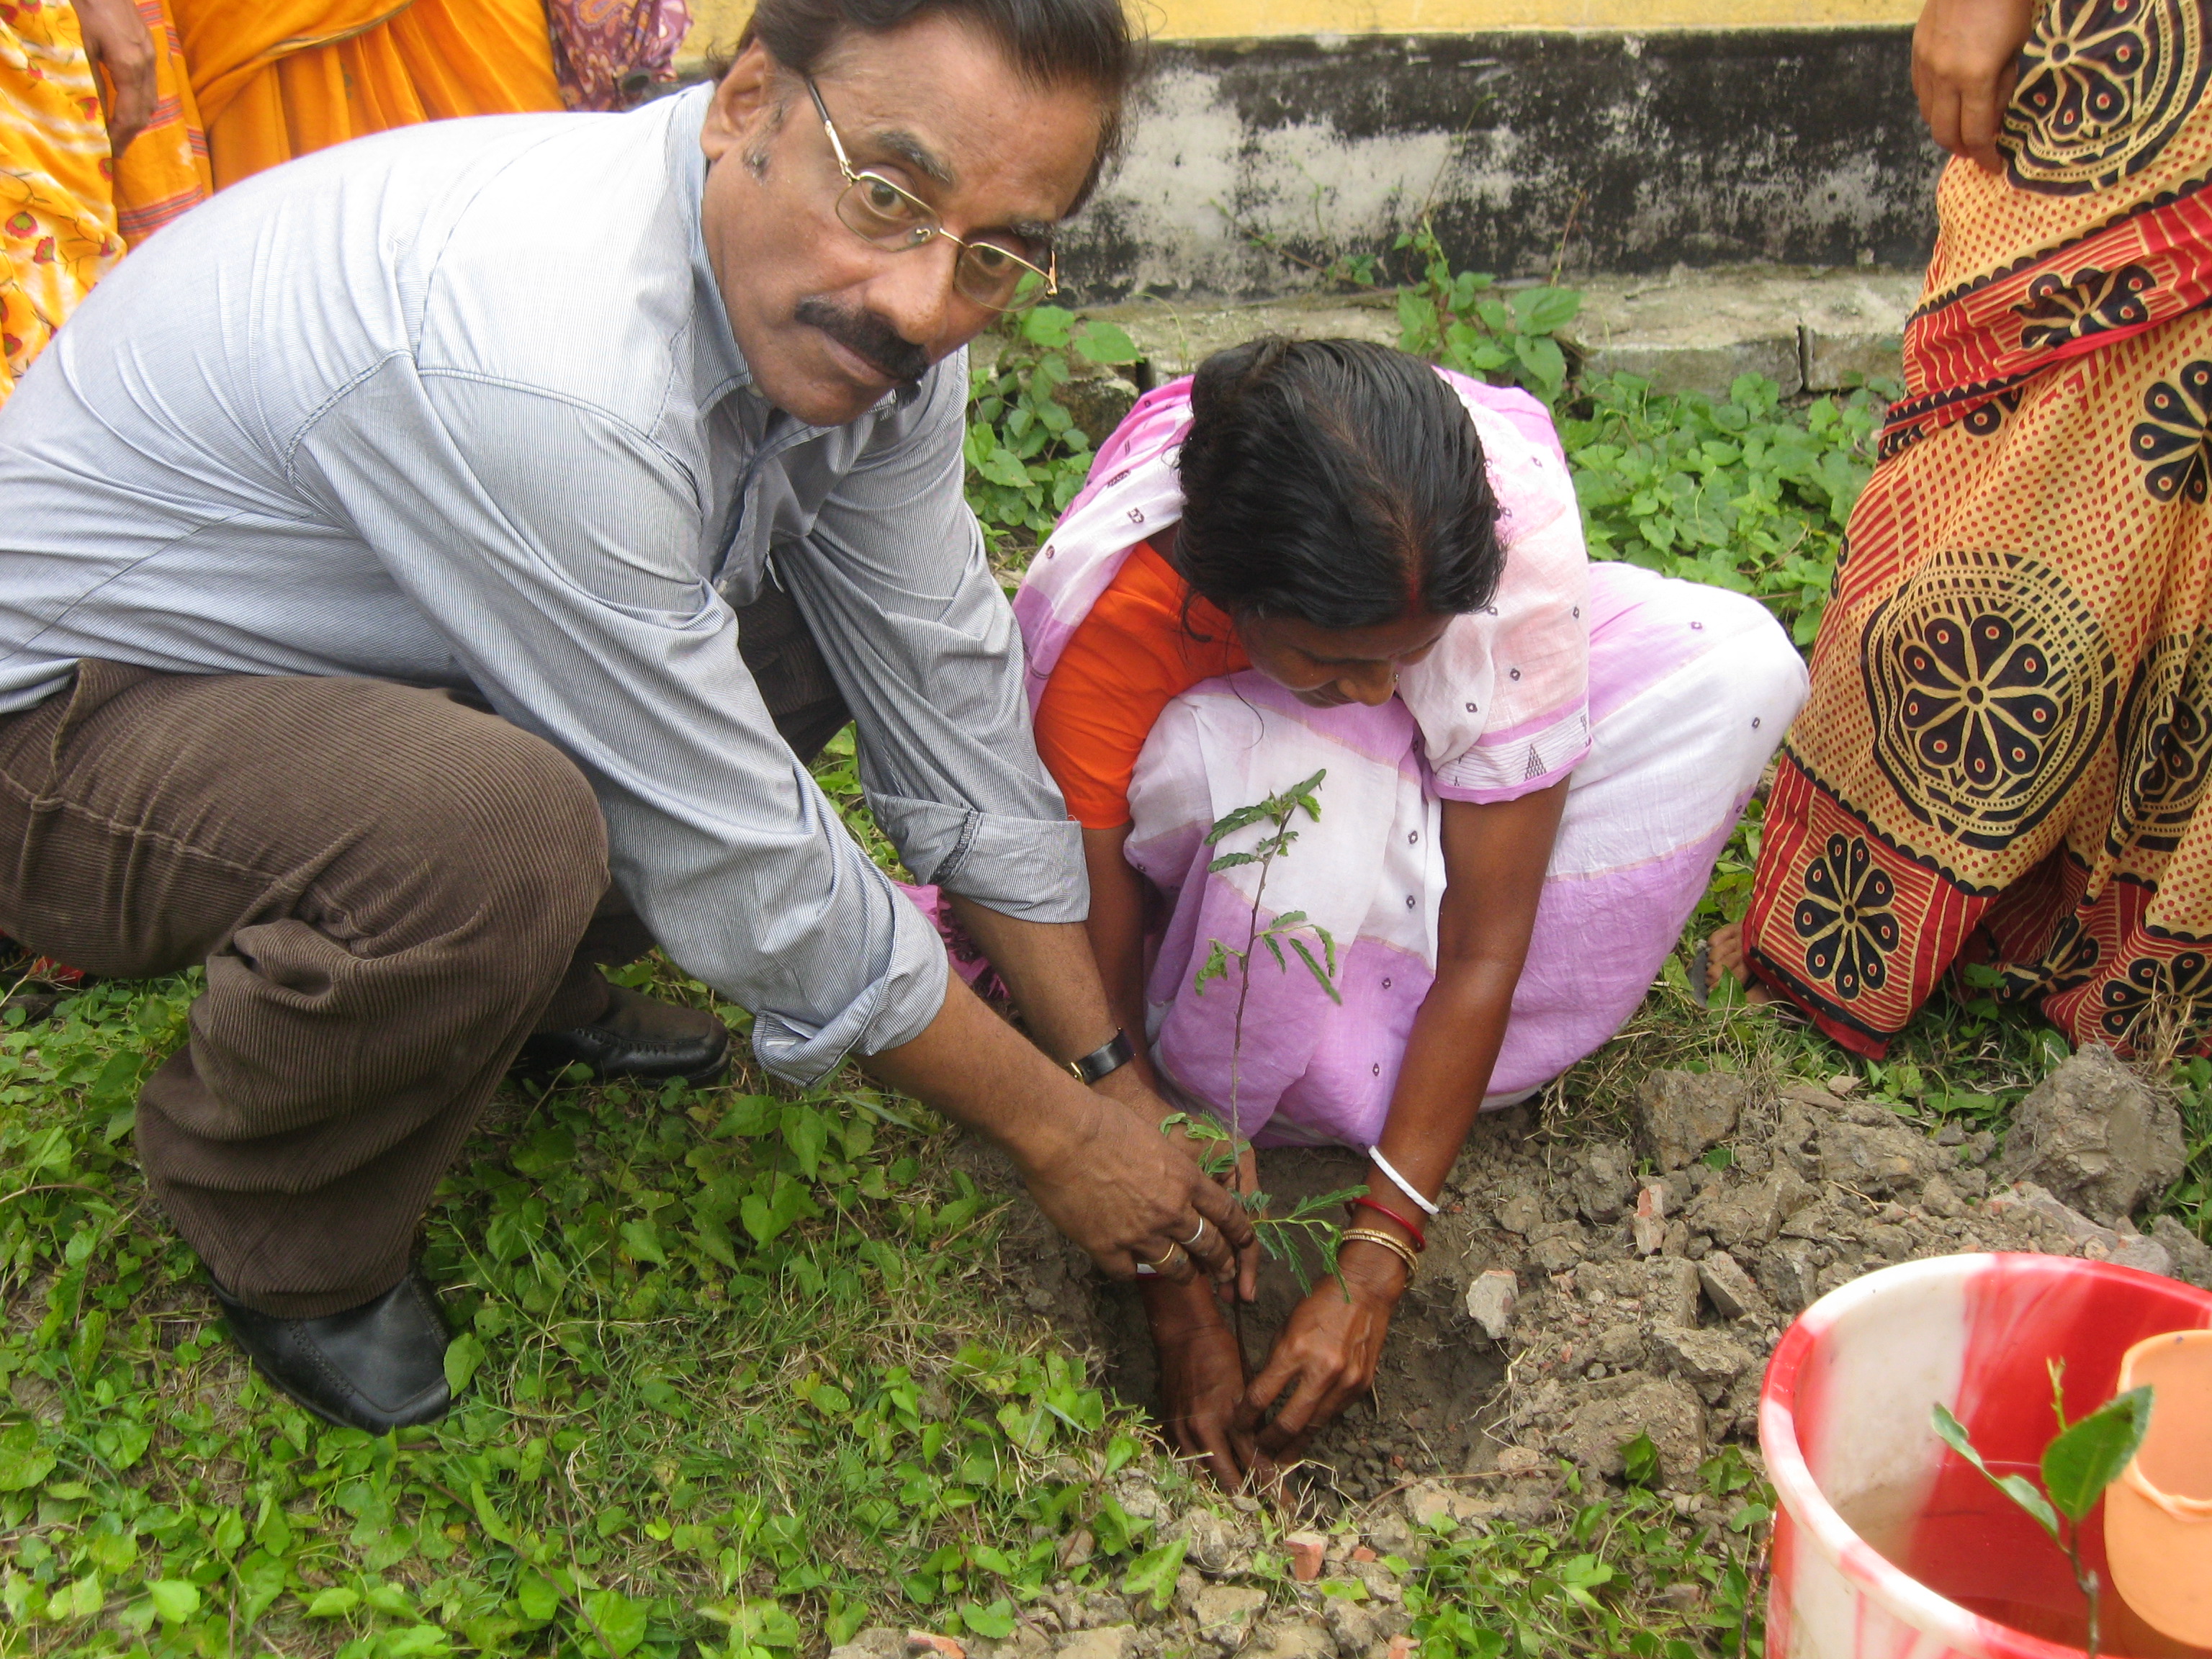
(742, 1367)
(737, 1371)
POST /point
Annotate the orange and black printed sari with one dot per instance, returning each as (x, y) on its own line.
(2011, 721)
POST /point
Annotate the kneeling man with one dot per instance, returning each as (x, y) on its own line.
(425, 573)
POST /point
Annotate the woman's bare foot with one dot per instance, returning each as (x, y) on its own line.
(1724, 955)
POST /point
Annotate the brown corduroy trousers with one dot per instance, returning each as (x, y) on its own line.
(390, 890)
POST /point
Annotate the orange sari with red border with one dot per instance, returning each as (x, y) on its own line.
(2011, 728)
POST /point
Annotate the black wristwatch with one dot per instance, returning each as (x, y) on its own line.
(1109, 1057)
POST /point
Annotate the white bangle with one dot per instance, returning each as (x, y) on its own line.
(1399, 1181)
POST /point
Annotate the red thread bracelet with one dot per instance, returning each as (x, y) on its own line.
(1421, 1240)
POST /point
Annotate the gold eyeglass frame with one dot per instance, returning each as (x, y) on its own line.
(930, 228)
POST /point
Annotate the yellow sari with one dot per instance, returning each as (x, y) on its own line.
(66, 210)
(278, 78)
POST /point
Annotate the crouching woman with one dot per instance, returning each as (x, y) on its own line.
(1328, 558)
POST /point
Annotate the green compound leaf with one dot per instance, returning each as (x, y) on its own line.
(1322, 976)
(2088, 1457)
(2017, 1487)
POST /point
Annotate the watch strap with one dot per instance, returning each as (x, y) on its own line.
(1109, 1057)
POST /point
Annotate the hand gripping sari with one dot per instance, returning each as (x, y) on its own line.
(2011, 717)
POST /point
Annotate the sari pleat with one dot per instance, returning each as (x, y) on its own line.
(280, 78)
(164, 171)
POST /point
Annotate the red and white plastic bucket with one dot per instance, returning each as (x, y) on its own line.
(1844, 1425)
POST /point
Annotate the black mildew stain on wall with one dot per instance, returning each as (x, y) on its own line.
(1630, 153)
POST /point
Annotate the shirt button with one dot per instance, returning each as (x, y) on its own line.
(1412, 835)
(1698, 627)
(1376, 1068)
(1410, 901)
(1754, 722)
(1470, 709)
(1386, 984)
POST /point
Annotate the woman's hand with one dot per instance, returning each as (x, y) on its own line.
(1201, 1375)
(1325, 1356)
(117, 41)
(1966, 58)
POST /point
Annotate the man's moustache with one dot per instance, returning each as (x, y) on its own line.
(869, 337)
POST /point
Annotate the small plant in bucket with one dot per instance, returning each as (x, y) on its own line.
(1280, 1235)
(2081, 1459)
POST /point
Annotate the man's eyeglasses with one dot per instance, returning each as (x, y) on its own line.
(988, 272)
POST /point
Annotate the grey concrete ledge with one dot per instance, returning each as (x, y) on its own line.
(1691, 330)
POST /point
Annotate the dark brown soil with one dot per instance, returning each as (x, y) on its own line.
(1438, 1375)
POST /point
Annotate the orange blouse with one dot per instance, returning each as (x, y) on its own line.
(1129, 657)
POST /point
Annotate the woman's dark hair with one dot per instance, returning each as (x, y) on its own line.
(1336, 481)
(1053, 43)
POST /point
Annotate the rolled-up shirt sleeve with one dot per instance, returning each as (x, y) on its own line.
(895, 590)
(556, 550)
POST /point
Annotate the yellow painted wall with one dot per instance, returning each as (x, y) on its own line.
(715, 23)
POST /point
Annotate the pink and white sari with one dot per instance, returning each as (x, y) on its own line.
(1663, 699)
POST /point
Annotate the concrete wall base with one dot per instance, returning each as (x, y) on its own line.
(1253, 162)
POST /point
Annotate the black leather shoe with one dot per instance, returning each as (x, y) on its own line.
(636, 1037)
(381, 1366)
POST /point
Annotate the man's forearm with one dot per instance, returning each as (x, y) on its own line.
(970, 1065)
(1110, 1183)
(1053, 976)
(1051, 970)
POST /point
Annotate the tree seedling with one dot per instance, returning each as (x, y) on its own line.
(1308, 1219)
(2081, 1459)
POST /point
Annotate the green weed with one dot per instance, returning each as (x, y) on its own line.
(727, 1387)
(1623, 1577)
(1464, 320)
(1745, 493)
(1026, 457)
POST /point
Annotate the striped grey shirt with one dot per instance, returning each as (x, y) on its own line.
(460, 406)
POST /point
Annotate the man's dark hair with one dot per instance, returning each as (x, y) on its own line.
(1053, 43)
(1336, 481)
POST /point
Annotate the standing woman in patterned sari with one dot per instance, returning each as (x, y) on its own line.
(2011, 716)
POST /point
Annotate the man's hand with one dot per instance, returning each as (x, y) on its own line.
(1965, 59)
(1329, 1351)
(1110, 1181)
(1136, 1093)
(1201, 1376)
(117, 41)
(1118, 1188)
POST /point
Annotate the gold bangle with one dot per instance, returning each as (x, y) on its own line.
(1398, 1248)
